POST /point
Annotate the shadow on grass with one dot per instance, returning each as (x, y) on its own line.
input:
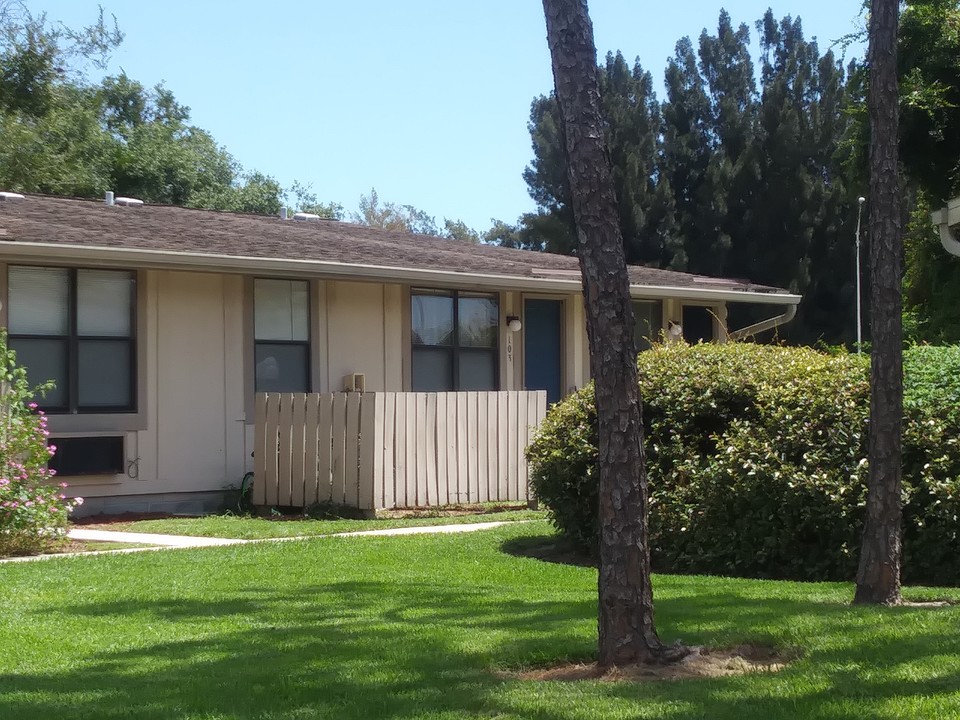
(409, 650)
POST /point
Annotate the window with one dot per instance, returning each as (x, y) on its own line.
(454, 341)
(647, 323)
(76, 327)
(281, 331)
(698, 323)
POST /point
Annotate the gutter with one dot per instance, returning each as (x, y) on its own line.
(946, 219)
(209, 262)
(764, 325)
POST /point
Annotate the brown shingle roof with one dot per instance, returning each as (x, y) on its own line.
(90, 223)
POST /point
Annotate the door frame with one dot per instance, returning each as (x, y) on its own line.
(562, 299)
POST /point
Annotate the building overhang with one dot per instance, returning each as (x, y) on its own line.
(120, 257)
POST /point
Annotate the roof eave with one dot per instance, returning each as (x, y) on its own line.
(207, 262)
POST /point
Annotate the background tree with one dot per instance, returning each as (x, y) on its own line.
(878, 576)
(626, 626)
(929, 71)
(306, 201)
(725, 177)
(408, 219)
(63, 135)
(391, 216)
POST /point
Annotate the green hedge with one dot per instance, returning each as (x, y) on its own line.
(757, 461)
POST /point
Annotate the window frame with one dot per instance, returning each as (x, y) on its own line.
(454, 349)
(713, 312)
(306, 344)
(73, 339)
(638, 337)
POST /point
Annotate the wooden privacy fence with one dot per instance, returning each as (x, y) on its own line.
(380, 450)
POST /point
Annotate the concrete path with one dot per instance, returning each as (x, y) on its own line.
(149, 538)
(156, 541)
(425, 529)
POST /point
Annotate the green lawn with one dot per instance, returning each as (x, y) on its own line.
(411, 627)
(249, 528)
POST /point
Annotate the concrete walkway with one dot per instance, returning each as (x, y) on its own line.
(156, 541)
(149, 538)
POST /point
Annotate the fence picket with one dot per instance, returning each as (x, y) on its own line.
(311, 447)
(297, 430)
(351, 462)
(453, 463)
(388, 488)
(400, 451)
(441, 447)
(325, 447)
(260, 455)
(371, 448)
(411, 450)
(285, 496)
(338, 454)
(491, 439)
(513, 426)
(483, 491)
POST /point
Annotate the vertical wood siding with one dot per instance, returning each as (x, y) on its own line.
(382, 450)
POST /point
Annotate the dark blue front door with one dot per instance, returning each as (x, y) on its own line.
(542, 324)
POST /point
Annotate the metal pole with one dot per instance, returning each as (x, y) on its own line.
(860, 201)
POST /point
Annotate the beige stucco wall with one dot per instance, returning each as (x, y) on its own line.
(364, 334)
(191, 376)
(193, 430)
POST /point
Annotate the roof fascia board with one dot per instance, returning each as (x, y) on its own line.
(209, 262)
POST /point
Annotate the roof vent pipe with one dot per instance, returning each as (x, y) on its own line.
(283, 213)
(128, 202)
(108, 198)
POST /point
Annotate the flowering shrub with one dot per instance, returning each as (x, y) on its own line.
(757, 465)
(33, 508)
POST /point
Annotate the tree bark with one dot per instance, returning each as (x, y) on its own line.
(878, 577)
(626, 626)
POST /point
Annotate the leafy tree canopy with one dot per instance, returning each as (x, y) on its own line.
(65, 135)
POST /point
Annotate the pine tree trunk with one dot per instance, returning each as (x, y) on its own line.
(626, 627)
(878, 578)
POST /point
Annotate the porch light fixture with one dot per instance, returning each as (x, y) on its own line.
(674, 330)
(513, 323)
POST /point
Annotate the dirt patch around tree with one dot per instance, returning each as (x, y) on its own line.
(701, 662)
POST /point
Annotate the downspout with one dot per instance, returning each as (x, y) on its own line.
(946, 219)
(763, 325)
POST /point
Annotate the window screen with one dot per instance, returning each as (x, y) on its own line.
(76, 328)
(281, 323)
(454, 338)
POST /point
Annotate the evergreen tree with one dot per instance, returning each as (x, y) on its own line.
(685, 166)
(632, 122)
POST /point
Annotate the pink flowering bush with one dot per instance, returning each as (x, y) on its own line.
(33, 508)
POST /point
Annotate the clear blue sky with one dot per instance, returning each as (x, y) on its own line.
(425, 100)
